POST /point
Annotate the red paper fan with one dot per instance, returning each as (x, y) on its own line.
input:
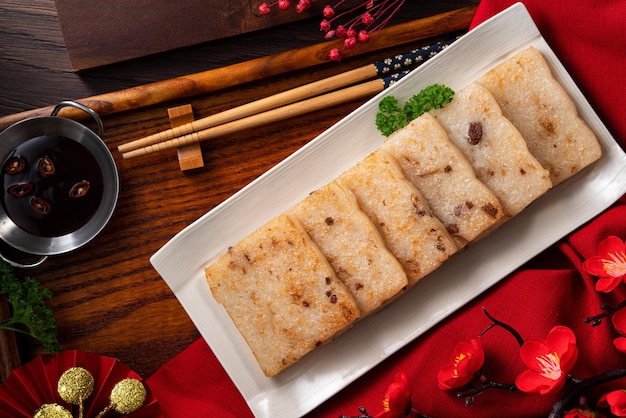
(35, 383)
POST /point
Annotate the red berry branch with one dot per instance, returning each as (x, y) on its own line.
(354, 25)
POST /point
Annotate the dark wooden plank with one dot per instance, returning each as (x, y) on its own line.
(99, 33)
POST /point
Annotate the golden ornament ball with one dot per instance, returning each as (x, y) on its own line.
(52, 410)
(75, 385)
(128, 395)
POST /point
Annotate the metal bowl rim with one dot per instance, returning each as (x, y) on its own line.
(26, 129)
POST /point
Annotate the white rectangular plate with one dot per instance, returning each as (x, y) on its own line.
(330, 368)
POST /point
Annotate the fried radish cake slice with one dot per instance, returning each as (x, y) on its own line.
(281, 293)
(542, 111)
(411, 232)
(465, 205)
(494, 147)
(353, 246)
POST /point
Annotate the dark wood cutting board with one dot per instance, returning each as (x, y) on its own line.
(103, 32)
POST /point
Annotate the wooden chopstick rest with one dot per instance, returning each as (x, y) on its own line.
(189, 156)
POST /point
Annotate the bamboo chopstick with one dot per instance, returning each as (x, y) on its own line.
(388, 65)
(256, 69)
(334, 98)
(256, 107)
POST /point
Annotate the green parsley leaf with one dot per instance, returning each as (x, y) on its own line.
(391, 116)
(432, 97)
(30, 314)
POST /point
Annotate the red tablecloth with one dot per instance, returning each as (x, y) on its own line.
(590, 39)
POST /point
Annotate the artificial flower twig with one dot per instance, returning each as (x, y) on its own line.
(507, 327)
(596, 320)
(580, 387)
(375, 15)
(472, 393)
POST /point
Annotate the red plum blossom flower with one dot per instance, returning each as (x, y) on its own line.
(616, 400)
(465, 363)
(609, 265)
(549, 361)
(619, 322)
(397, 402)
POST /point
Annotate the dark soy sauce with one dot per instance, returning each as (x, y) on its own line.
(52, 186)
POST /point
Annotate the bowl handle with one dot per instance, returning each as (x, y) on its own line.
(25, 264)
(82, 107)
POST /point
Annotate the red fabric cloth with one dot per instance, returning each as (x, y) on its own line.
(590, 39)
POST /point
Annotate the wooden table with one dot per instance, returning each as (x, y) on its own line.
(107, 297)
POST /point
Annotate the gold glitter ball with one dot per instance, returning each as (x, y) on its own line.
(75, 385)
(128, 396)
(52, 410)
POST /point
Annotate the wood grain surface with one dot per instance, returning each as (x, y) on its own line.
(107, 297)
(254, 70)
(97, 33)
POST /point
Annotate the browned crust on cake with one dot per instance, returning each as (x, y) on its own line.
(411, 232)
(353, 246)
(447, 180)
(536, 103)
(281, 293)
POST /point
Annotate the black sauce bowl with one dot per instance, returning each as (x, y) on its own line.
(27, 239)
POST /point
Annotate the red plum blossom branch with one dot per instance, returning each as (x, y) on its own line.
(607, 311)
(581, 387)
(549, 361)
(472, 393)
(505, 326)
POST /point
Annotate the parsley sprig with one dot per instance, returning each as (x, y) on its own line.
(30, 314)
(391, 116)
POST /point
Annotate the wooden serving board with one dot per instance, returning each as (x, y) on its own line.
(103, 32)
